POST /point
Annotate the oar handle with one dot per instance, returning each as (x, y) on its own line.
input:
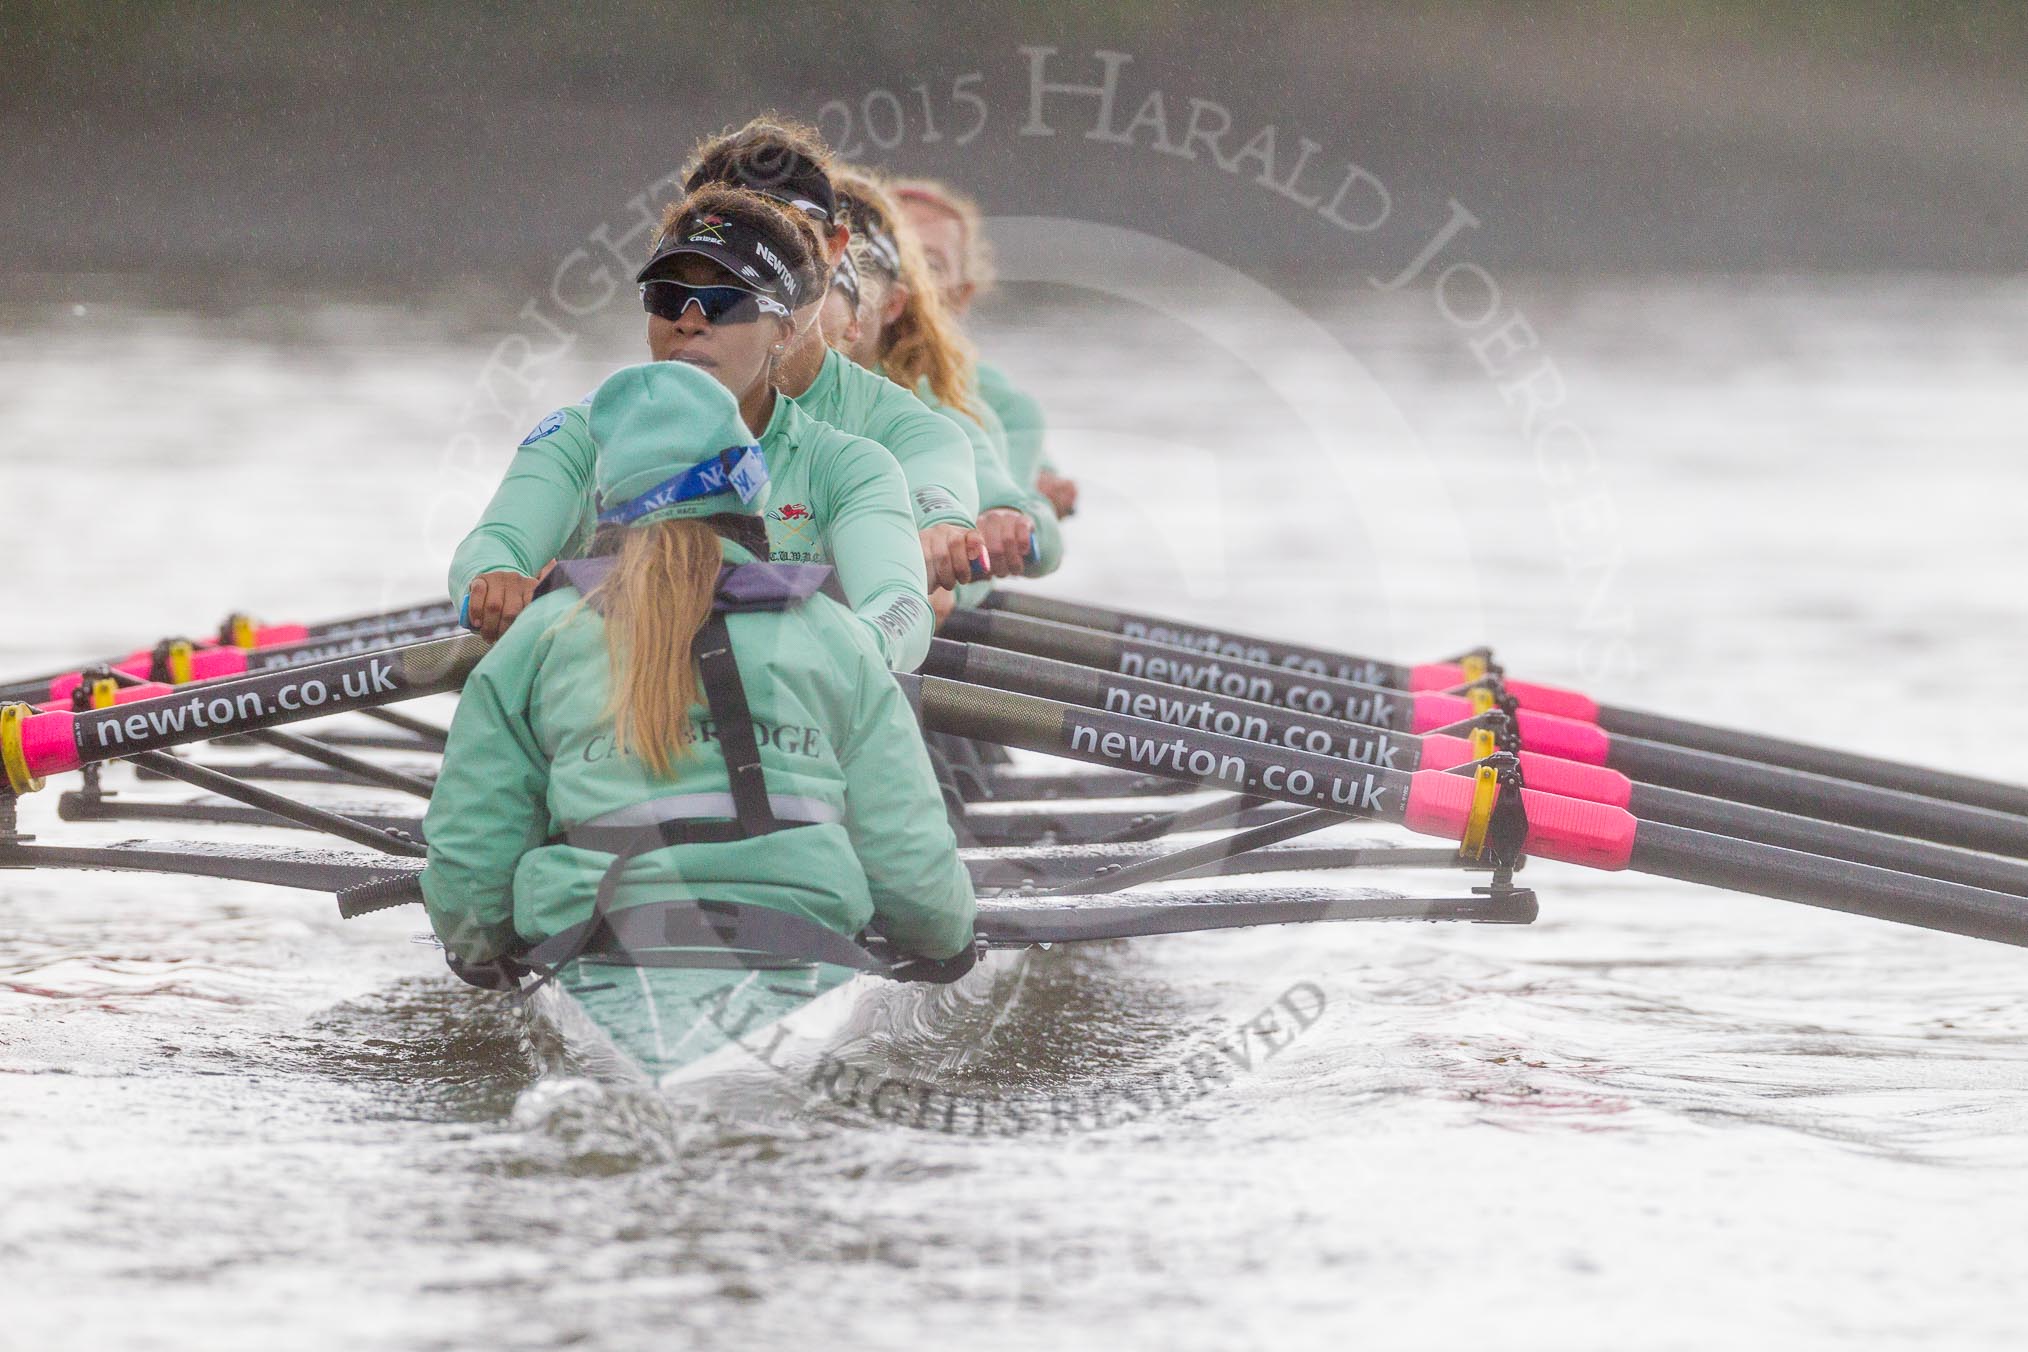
(379, 894)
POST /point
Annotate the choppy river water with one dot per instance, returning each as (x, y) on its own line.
(1661, 1117)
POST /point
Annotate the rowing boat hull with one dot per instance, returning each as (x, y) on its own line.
(746, 1042)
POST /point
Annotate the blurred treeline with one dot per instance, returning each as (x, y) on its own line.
(410, 141)
(80, 47)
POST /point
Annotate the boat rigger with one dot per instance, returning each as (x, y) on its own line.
(1269, 789)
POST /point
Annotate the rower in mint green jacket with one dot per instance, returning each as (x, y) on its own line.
(884, 310)
(1020, 415)
(952, 234)
(999, 489)
(590, 720)
(788, 165)
(942, 479)
(717, 299)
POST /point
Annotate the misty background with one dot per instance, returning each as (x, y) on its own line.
(408, 144)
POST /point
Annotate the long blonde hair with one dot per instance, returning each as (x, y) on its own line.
(924, 344)
(655, 599)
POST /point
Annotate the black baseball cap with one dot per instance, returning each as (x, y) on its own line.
(735, 246)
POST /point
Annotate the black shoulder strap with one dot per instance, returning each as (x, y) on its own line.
(725, 695)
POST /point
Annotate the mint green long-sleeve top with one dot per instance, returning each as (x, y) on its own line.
(833, 498)
(1021, 415)
(531, 754)
(997, 485)
(936, 459)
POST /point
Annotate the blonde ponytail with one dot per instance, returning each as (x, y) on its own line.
(655, 599)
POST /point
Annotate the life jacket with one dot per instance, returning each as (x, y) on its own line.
(741, 589)
(729, 934)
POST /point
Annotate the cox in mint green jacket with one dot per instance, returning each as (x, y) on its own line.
(833, 498)
(531, 754)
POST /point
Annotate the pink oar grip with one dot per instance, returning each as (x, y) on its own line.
(209, 664)
(1569, 778)
(206, 664)
(1548, 699)
(1567, 829)
(1433, 709)
(126, 694)
(1564, 738)
(274, 635)
(49, 743)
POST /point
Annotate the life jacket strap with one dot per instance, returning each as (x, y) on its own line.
(775, 587)
(725, 693)
(741, 587)
(688, 819)
(703, 934)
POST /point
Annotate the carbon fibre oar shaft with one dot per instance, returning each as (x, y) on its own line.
(58, 740)
(1367, 742)
(220, 661)
(1436, 803)
(420, 615)
(1095, 689)
(1303, 692)
(1768, 786)
(1274, 652)
(348, 766)
(1835, 763)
